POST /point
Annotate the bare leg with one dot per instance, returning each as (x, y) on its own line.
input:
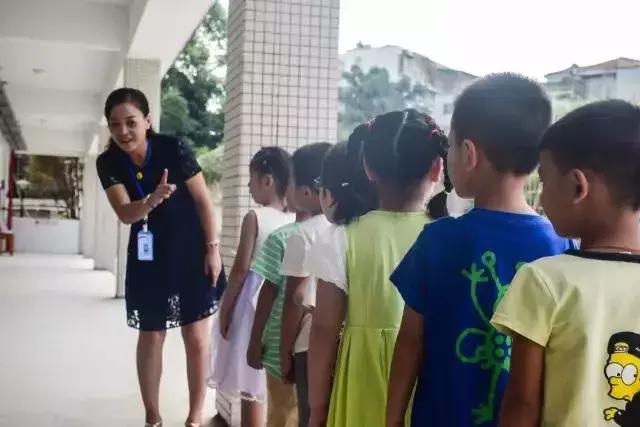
(149, 362)
(197, 339)
(252, 413)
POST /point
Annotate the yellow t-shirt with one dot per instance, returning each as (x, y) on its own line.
(584, 309)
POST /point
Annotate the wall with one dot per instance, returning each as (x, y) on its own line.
(366, 58)
(628, 85)
(90, 188)
(50, 236)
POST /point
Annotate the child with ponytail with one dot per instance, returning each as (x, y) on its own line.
(402, 155)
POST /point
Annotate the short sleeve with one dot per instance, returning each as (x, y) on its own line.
(410, 277)
(268, 260)
(294, 256)
(188, 166)
(528, 307)
(327, 258)
(107, 172)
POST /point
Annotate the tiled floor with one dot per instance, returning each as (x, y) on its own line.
(66, 354)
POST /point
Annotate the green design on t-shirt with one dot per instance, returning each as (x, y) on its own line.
(495, 351)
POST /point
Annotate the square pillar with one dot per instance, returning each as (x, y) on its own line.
(90, 188)
(145, 75)
(282, 89)
(106, 222)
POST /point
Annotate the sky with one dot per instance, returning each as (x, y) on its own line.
(532, 37)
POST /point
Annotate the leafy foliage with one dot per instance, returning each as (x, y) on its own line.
(56, 178)
(192, 90)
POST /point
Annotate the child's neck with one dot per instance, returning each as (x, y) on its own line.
(277, 204)
(503, 193)
(616, 233)
(394, 200)
(302, 216)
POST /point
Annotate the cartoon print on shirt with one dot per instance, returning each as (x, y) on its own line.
(494, 353)
(622, 373)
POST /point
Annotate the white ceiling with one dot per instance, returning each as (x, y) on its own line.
(61, 57)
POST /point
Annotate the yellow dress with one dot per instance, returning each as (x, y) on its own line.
(375, 245)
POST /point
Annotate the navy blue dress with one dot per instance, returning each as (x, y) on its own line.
(172, 290)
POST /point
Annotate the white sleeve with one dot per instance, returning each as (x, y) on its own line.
(327, 259)
(294, 255)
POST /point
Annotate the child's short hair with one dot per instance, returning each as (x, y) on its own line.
(401, 146)
(276, 162)
(505, 114)
(343, 174)
(307, 163)
(603, 137)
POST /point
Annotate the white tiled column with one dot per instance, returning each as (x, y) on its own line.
(90, 189)
(282, 79)
(106, 222)
(145, 75)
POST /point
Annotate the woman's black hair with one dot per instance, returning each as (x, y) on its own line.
(127, 95)
(401, 146)
(276, 162)
(343, 174)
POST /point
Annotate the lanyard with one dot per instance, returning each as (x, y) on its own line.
(140, 175)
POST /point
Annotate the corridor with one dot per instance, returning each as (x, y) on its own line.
(66, 354)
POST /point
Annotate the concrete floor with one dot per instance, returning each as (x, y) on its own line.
(67, 356)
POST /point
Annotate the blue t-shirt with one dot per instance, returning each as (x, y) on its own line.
(455, 275)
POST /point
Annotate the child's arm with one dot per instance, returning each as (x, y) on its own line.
(522, 403)
(407, 359)
(241, 264)
(265, 303)
(292, 315)
(323, 348)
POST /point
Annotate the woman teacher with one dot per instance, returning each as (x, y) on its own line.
(174, 270)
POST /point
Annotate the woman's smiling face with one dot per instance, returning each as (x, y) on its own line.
(128, 126)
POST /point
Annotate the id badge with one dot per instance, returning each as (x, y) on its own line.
(145, 246)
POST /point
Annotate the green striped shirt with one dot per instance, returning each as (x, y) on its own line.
(267, 264)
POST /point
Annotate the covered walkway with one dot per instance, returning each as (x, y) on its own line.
(67, 357)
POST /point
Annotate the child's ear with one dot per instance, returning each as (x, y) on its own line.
(267, 180)
(308, 191)
(580, 183)
(435, 174)
(471, 155)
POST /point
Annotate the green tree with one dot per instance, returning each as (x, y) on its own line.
(192, 89)
(365, 95)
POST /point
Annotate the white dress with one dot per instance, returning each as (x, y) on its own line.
(229, 370)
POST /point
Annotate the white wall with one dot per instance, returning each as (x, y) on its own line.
(88, 212)
(384, 57)
(628, 85)
(51, 236)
